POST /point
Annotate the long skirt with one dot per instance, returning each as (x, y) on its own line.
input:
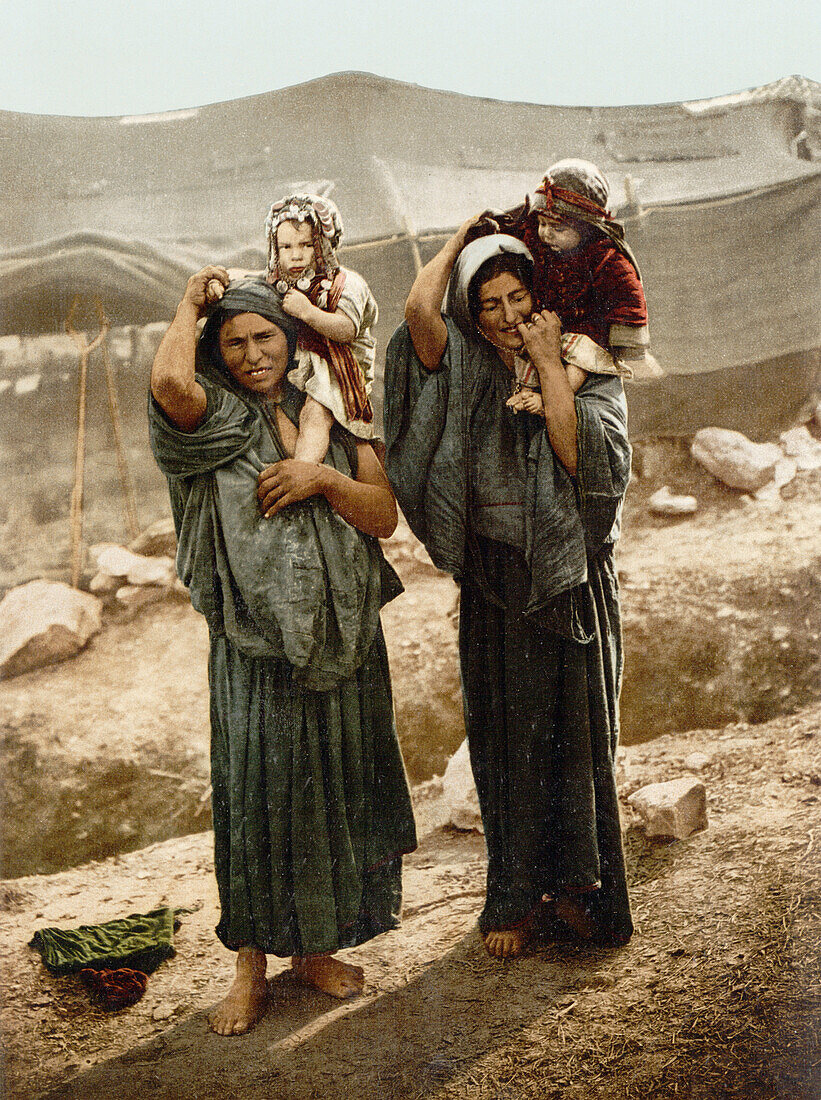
(542, 723)
(312, 812)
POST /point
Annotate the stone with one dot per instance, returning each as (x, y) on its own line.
(734, 459)
(136, 569)
(103, 584)
(785, 470)
(459, 792)
(800, 445)
(43, 622)
(158, 539)
(665, 503)
(673, 809)
(696, 761)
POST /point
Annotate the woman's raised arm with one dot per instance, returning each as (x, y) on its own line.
(173, 384)
(423, 309)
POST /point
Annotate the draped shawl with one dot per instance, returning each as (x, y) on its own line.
(430, 437)
(304, 585)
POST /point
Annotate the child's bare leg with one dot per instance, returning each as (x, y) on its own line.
(314, 431)
(247, 998)
(575, 376)
(328, 974)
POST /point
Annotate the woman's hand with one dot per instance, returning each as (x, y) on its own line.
(288, 482)
(542, 337)
(460, 236)
(204, 288)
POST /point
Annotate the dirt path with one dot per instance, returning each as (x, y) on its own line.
(717, 995)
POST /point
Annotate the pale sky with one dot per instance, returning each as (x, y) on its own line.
(115, 57)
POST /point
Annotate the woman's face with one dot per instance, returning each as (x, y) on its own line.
(255, 351)
(504, 303)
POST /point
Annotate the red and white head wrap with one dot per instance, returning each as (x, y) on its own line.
(574, 189)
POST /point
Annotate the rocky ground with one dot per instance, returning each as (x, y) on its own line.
(717, 994)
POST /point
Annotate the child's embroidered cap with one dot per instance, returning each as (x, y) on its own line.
(326, 228)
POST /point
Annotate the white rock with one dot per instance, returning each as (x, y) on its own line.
(103, 583)
(785, 471)
(136, 568)
(675, 809)
(799, 444)
(665, 503)
(734, 459)
(459, 792)
(42, 622)
(696, 761)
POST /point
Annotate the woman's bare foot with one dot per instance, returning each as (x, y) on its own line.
(247, 998)
(507, 943)
(573, 913)
(328, 974)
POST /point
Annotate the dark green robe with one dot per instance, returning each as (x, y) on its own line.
(311, 806)
(540, 635)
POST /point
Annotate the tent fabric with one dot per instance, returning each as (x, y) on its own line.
(721, 208)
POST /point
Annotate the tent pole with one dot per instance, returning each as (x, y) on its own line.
(132, 524)
(76, 512)
(397, 202)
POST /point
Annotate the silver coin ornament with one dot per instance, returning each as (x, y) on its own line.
(281, 286)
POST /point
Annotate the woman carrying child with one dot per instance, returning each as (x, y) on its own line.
(311, 807)
(524, 510)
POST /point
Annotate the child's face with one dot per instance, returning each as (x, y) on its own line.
(558, 235)
(295, 248)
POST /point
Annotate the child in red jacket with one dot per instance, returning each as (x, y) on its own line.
(584, 269)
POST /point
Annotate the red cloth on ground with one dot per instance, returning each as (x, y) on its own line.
(114, 989)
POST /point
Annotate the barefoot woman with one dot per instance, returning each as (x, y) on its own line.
(311, 806)
(524, 510)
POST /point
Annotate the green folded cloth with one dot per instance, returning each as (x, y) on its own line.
(139, 942)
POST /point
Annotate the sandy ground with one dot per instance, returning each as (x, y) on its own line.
(716, 996)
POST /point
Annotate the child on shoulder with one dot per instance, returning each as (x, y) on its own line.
(585, 272)
(335, 350)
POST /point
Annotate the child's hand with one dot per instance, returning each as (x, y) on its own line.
(296, 304)
(526, 401)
